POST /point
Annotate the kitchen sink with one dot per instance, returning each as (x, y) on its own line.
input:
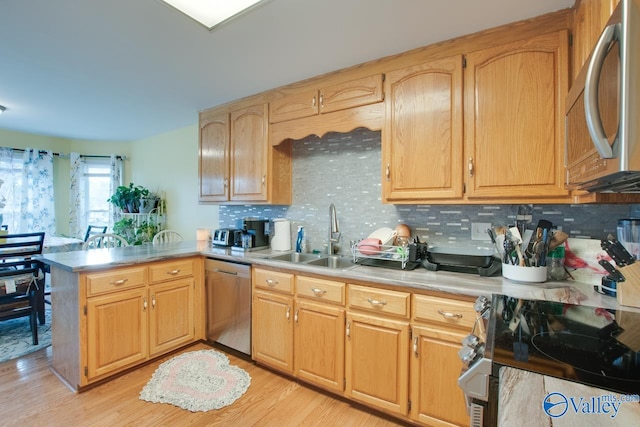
(296, 257)
(318, 260)
(333, 262)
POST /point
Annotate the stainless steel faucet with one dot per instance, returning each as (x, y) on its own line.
(334, 229)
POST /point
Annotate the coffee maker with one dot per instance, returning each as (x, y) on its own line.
(253, 236)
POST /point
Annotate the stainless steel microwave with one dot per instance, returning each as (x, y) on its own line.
(603, 110)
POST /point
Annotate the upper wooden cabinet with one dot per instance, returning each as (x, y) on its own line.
(236, 161)
(214, 157)
(590, 17)
(340, 96)
(514, 120)
(422, 137)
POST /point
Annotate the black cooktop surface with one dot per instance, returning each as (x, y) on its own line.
(589, 345)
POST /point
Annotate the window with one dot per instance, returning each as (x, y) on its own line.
(97, 177)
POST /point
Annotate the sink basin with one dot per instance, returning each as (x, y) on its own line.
(295, 257)
(333, 262)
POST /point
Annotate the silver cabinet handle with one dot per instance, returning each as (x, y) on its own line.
(318, 292)
(415, 346)
(470, 166)
(321, 100)
(173, 272)
(288, 313)
(226, 182)
(264, 180)
(295, 316)
(118, 282)
(144, 304)
(271, 282)
(313, 102)
(153, 301)
(376, 303)
(449, 315)
(348, 329)
(388, 172)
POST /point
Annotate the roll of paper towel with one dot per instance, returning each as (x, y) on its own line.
(281, 238)
(203, 234)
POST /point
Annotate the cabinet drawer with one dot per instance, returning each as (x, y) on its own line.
(379, 300)
(273, 280)
(444, 310)
(115, 280)
(175, 269)
(319, 289)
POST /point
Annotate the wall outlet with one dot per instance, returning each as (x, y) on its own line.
(479, 230)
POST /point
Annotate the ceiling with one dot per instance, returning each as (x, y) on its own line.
(126, 70)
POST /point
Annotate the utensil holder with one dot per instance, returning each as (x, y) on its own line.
(518, 273)
(628, 292)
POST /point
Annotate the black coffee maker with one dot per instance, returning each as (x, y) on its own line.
(253, 236)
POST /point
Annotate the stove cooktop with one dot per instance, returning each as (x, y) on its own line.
(578, 343)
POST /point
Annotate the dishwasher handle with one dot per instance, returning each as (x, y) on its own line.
(233, 273)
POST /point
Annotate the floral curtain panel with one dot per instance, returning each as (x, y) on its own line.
(116, 180)
(77, 211)
(27, 191)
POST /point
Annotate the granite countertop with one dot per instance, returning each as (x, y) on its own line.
(571, 292)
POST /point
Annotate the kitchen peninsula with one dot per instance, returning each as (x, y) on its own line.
(102, 297)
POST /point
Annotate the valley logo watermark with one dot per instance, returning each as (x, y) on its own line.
(557, 404)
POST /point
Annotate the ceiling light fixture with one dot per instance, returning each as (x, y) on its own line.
(2, 109)
(212, 13)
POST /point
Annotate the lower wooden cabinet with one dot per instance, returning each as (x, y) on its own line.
(319, 345)
(376, 361)
(171, 315)
(272, 330)
(116, 331)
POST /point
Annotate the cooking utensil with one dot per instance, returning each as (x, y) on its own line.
(614, 273)
(513, 234)
(617, 252)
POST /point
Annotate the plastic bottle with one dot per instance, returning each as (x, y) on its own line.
(555, 264)
(300, 239)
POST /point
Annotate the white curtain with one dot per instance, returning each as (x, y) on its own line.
(116, 180)
(27, 190)
(77, 192)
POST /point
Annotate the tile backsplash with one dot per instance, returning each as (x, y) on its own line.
(345, 169)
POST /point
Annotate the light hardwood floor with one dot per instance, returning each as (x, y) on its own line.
(31, 395)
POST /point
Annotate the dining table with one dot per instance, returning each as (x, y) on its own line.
(53, 244)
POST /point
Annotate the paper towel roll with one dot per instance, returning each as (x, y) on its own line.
(203, 234)
(281, 239)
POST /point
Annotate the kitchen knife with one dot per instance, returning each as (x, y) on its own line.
(617, 252)
(614, 273)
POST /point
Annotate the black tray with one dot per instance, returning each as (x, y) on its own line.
(460, 257)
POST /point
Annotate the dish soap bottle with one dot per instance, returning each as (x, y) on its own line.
(300, 239)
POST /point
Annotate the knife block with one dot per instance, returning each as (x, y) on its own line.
(628, 292)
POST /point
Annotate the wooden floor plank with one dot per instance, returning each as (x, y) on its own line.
(33, 395)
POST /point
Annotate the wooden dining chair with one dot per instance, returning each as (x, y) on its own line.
(167, 236)
(94, 229)
(104, 240)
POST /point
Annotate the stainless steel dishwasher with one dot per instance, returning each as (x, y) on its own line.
(228, 292)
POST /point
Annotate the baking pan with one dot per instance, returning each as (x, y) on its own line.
(460, 257)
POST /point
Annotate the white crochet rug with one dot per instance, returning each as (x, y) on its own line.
(197, 381)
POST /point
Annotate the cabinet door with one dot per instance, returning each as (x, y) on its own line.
(116, 331)
(422, 137)
(514, 119)
(295, 106)
(352, 93)
(319, 345)
(376, 362)
(272, 330)
(435, 368)
(214, 158)
(172, 314)
(249, 147)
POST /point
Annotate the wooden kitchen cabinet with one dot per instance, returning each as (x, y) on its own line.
(213, 159)
(589, 19)
(237, 164)
(335, 97)
(514, 120)
(377, 348)
(319, 332)
(438, 327)
(422, 136)
(272, 330)
(117, 332)
(111, 320)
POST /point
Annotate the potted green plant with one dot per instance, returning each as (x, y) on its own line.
(145, 233)
(127, 198)
(148, 201)
(125, 228)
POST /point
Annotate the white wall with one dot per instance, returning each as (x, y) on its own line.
(169, 163)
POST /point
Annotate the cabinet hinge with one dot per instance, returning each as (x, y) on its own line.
(84, 310)
(344, 383)
(384, 77)
(410, 333)
(570, 39)
(86, 371)
(409, 406)
(464, 188)
(464, 62)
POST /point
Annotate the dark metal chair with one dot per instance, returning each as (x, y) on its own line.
(4, 227)
(94, 229)
(22, 279)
